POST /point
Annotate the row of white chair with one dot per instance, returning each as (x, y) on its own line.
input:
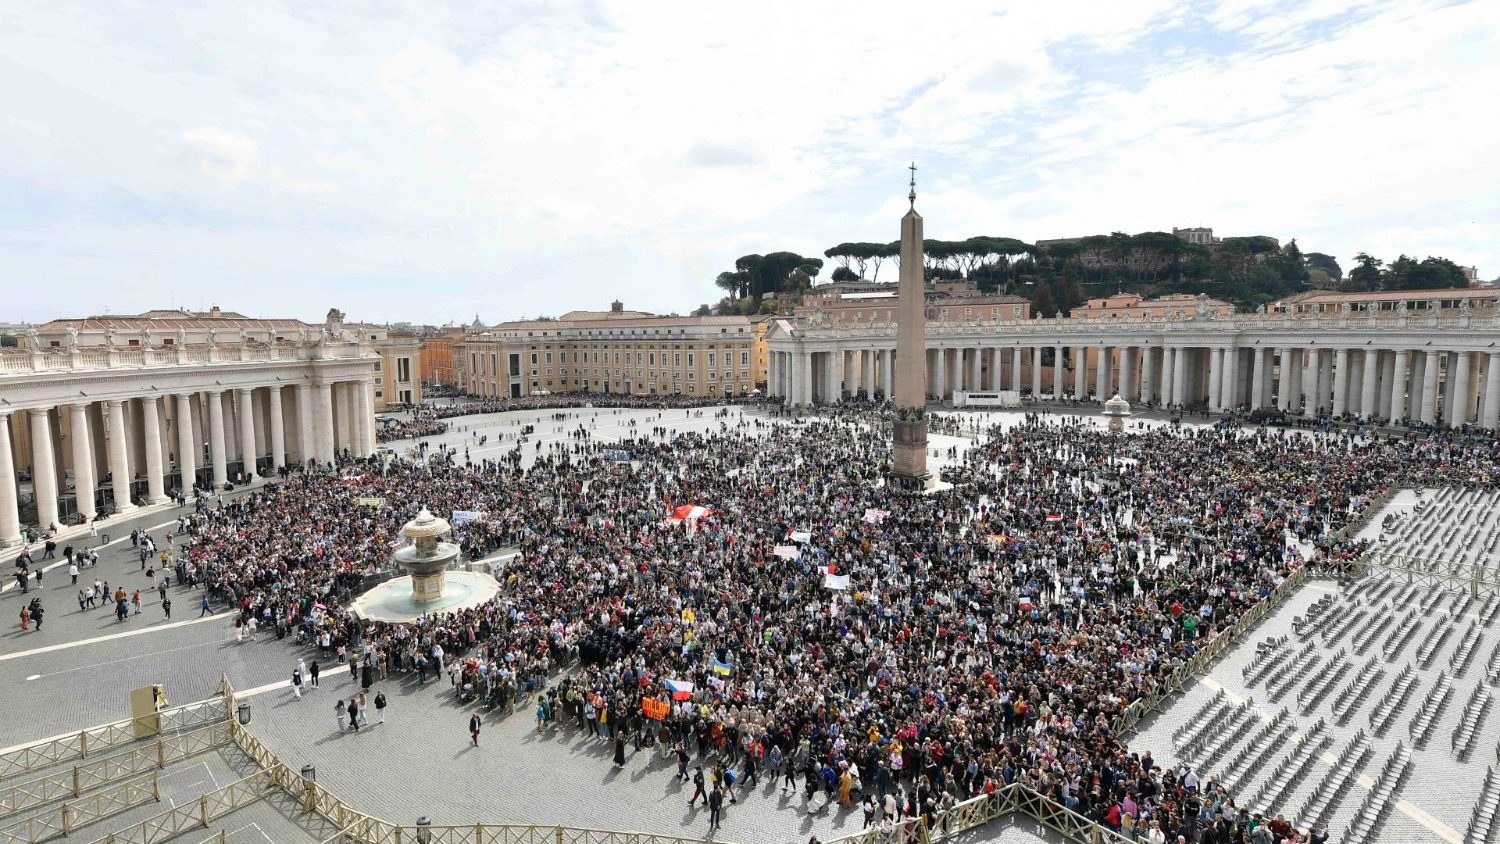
(1354, 694)
(1349, 615)
(1381, 622)
(1434, 640)
(1215, 705)
(1206, 753)
(1395, 643)
(1270, 737)
(1291, 769)
(1304, 665)
(1378, 800)
(1315, 619)
(1471, 722)
(1421, 724)
(1268, 655)
(1394, 701)
(1464, 653)
(1482, 820)
(1321, 682)
(1320, 802)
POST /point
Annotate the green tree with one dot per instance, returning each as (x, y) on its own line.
(1324, 262)
(1043, 305)
(1366, 273)
(844, 274)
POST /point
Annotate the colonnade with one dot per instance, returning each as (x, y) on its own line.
(135, 449)
(1371, 381)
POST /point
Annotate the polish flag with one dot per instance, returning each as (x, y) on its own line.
(1054, 517)
(688, 513)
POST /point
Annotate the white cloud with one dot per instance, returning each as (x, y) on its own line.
(527, 157)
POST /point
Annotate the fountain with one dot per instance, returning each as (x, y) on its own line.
(1117, 410)
(429, 586)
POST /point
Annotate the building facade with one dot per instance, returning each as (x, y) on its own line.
(119, 415)
(1430, 365)
(618, 352)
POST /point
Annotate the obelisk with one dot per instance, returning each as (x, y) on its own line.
(909, 446)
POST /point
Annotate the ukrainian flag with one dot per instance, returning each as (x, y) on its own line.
(723, 669)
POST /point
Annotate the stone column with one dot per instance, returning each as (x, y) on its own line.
(1015, 368)
(1127, 370)
(888, 373)
(1258, 380)
(245, 399)
(1179, 376)
(43, 468)
(367, 385)
(867, 372)
(83, 460)
(1310, 380)
(278, 427)
(1284, 380)
(976, 370)
(307, 437)
(835, 376)
(1057, 369)
(1368, 399)
(1215, 378)
(1325, 380)
(939, 376)
(151, 428)
(187, 445)
(1387, 379)
(1340, 381)
(1460, 389)
(1429, 386)
(1080, 371)
(217, 456)
(807, 378)
(773, 371)
(10, 513)
(1036, 371)
(1230, 392)
(1101, 373)
(1491, 397)
(1397, 407)
(323, 423)
(119, 458)
(1148, 374)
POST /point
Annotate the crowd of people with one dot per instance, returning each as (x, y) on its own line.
(984, 636)
(408, 429)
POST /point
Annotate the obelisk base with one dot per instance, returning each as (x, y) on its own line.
(909, 473)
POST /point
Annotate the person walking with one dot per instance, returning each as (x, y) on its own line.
(697, 787)
(297, 681)
(475, 722)
(37, 612)
(380, 707)
(166, 607)
(353, 711)
(205, 609)
(338, 714)
(715, 807)
(312, 673)
(73, 572)
(364, 709)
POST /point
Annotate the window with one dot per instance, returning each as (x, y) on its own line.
(690, 358)
(166, 342)
(711, 360)
(515, 364)
(677, 358)
(744, 358)
(549, 357)
(377, 366)
(403, 370)
(533, 358)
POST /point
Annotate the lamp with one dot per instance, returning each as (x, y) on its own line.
(424, 830)
(243, 712)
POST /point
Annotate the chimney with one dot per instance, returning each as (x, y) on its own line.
(214, 312)
(617, 307)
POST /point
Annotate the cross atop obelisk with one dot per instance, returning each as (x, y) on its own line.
(909, 444)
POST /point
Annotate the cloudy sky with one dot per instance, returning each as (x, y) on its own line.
(428, 161)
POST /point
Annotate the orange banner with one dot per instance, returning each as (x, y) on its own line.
(656, 710)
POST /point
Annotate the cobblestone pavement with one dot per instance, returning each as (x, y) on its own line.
(79, 669)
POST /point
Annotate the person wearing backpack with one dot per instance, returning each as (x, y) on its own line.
(380, 707)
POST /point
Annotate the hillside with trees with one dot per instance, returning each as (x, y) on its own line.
(1057, 276)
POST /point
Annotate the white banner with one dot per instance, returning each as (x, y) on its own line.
(787, 552)
(465, 516)
(836, 581)
(803, 536)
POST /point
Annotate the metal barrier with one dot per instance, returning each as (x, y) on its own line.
(71, 783)
(85, 810)
(196, 815)
(79, 745)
